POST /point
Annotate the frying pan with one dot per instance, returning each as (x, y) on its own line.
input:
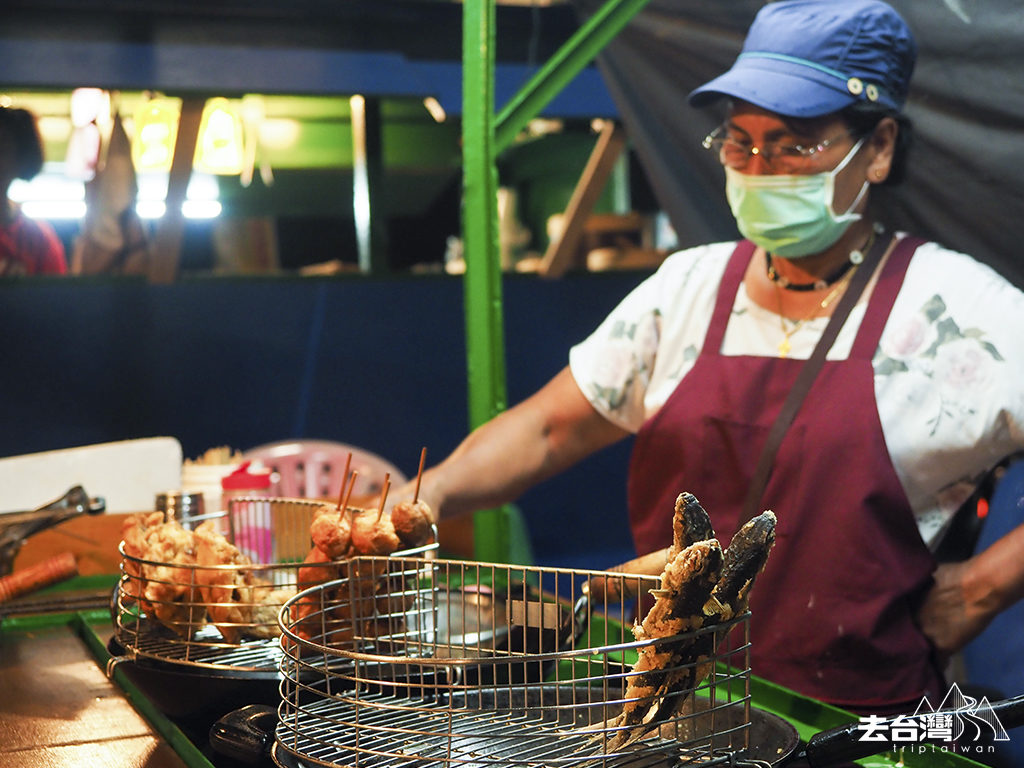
(466, 619)
(247, 735)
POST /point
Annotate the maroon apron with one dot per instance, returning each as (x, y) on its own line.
(832, 614)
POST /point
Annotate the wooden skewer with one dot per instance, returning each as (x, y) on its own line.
(419, 474)
(344, 506)
(344, 480)
(384, 494)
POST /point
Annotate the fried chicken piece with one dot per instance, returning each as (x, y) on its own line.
(413, 522)
(227, 592)
(168, 593)
(239, 603)
(373, 533)
(135, 532)
(134, 543)
(266, 606)
(331, 531)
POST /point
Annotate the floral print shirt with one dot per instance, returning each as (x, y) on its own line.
(949, 369)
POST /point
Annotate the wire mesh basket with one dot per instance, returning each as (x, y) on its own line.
(170, 608)
(460, 663)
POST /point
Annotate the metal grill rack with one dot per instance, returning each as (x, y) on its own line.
(159, 612)
(477, 664)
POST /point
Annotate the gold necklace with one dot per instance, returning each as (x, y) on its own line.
(784, 346)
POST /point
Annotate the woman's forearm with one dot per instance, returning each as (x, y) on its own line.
(994, 579)
(519, 448)
(966, 596)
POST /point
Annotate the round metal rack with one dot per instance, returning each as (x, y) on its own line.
(223, 617)
(480, 664)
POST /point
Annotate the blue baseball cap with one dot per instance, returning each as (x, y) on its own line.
(807, 58)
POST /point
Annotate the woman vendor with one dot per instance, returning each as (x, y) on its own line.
(920, 391)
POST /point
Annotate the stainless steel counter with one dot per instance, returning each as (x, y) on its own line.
(59, 709)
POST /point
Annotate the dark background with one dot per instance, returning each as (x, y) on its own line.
(244, 361)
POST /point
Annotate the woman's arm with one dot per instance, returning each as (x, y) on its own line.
(967, 596)
(498, 461)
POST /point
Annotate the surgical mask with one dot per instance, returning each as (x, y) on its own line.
(790, 216)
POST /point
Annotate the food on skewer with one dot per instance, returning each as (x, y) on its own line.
(744, 560)
(368, 602)
(413, 521)
(308, 613)
(331, 531)
(670, 668)
(373, 534)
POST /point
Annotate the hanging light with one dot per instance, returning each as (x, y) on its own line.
(433, 106)
(219, 149)
(156, 130)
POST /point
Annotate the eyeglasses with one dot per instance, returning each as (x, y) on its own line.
(780, 158)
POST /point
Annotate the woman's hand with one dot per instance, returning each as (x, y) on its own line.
(953, 612)
(967, 596)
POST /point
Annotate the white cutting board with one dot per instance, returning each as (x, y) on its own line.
(127, 474)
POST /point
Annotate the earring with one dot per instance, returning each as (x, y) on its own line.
(879, 174)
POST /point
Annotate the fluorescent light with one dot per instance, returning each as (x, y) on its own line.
(200, 198)
(54, 209)
(150, 209)
(52, 195)
(201, 209)
(47, 186)
(191, 209)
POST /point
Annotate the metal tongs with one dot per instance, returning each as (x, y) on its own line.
(16, 527)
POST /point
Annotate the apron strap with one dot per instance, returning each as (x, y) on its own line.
(883, 297)
(805, 379)
(726, 297)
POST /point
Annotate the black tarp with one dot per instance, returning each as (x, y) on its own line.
(965, 185)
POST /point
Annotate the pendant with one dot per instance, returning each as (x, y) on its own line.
(784, 347)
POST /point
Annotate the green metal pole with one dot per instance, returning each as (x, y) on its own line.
(499, 535)
(567, 62)
(485, 341)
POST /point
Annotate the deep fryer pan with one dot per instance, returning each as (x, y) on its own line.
(774, 742)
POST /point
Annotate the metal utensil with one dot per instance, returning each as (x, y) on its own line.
(15, 527)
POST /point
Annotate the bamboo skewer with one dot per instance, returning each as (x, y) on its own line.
(384, 494)
(419, 475)
(344, 481)
(344, 506)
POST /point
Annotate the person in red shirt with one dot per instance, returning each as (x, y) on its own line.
(27, 246)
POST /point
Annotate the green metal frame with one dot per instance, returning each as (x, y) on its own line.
(500, 534)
